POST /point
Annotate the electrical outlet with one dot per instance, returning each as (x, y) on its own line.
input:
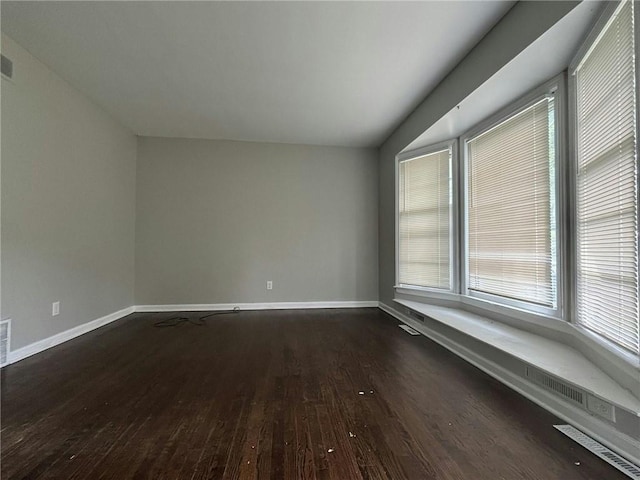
(269, 285)
(55, 309)
(601, 408)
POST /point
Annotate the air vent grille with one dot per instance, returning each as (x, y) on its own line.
(409, 330)
(6, 66)
(5, 336)
(555, 385)
(609, 456)
(416, 315)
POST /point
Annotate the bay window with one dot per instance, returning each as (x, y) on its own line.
(515, 226)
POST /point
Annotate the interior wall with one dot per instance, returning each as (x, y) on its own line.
(520, 27)
(216, 220)
(68, 204)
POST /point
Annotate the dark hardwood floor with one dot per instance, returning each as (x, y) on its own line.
(273, 394)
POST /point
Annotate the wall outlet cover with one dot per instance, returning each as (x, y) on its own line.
(601, 408)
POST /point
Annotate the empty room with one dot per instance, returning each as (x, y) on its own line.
(320, 240)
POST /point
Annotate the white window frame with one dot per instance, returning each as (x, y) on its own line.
(555, 86)
(435, 293)
(571, 280)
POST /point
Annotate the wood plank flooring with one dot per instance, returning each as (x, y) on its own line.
(315, 394)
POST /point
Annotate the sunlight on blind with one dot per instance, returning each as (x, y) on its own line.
(511, 205)
(607, 184)
(424, 220)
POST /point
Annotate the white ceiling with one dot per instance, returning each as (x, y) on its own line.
(326, 73)
(546, 57)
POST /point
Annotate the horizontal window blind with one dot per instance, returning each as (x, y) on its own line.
(607, 184)
(511, 207)
(424, 221)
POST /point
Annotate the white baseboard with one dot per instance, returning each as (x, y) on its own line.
(212, 307)
(57, 339)
(589, 424)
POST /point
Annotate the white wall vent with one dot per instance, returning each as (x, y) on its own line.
(609, 456)
(415, 315)
(6, 67)
(556, 385)
(5, 341)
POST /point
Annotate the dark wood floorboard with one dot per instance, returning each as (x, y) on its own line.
(272, 395)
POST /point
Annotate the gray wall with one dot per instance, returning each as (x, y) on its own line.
(217, 219)
(68, 180)
(523, 24)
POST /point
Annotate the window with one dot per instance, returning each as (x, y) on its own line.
(607, 183)
(424, 220)
(511, 205)
(516, 230)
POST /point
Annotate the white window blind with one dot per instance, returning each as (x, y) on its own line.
(511, 207)
(607, 184)
(424, 221)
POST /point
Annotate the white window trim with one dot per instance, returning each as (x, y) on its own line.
(556, 86)
(436, 293)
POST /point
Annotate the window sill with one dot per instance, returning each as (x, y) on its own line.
(552, 356)
(505, 313)
(427, 293)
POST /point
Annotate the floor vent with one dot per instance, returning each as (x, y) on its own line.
(409, 330)
(609, 456)
(556, 385)
(5, 336)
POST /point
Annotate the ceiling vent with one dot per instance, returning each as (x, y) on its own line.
(6, 67)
